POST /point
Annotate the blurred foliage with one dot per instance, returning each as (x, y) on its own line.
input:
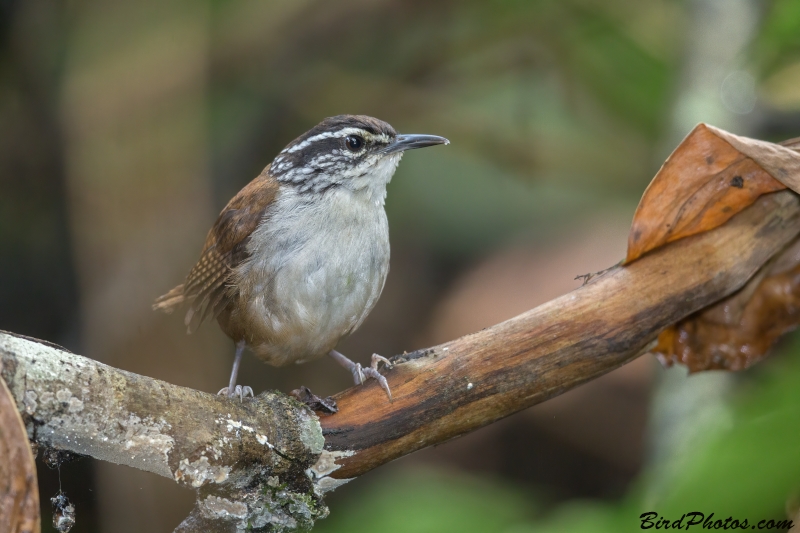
(750, 468)
(779, 40)
(776, 55)
(567, 97)
(428, 500)
(557, 110)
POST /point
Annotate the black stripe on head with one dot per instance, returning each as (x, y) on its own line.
(369, 124)
(296, 154)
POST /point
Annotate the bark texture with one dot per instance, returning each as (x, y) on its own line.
(246, 460)
(19, 491)
(451, 389)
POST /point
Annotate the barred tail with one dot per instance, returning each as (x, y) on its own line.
(168, 302)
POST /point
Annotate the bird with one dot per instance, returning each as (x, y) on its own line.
(298, 258)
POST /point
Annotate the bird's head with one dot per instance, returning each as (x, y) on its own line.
(357, 152)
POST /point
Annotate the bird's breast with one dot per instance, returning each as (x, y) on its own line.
(316, 268)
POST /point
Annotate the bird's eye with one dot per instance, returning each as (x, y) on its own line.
(354, 143)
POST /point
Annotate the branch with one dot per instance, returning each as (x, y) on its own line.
(457, 387)
(246, 460)
(19, 495)
(261, 463)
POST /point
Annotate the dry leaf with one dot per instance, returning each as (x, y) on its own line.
(19, 491)
(738, 331)
(710, 177)
(314, 402)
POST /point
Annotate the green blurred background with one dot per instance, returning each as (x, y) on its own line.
(126, 126)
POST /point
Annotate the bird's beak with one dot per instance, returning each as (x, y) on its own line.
(408, 142)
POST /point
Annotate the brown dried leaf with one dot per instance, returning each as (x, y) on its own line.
(710, 177)
(738, 331)
(781, 161)
(314, 402)
(19, 491)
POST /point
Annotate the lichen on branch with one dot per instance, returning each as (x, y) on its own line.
(246, 460)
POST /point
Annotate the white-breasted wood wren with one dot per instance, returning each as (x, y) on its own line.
(298, 258)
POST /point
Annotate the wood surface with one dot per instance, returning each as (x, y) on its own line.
(457, 387)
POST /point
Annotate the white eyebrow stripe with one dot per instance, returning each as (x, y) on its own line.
(338, 133)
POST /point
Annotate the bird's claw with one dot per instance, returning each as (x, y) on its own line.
(241, 392)
(361, 374)
(376, 359)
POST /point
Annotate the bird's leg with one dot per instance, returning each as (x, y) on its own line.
(233, 390)
(360, 373)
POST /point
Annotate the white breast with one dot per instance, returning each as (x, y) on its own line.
(316, 269)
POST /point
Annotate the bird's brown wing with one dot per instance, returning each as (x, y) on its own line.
(206, 288)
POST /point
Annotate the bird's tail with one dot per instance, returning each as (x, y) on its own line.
(168, 302)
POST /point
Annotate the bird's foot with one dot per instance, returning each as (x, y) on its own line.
(238, 390)
(361, 374)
